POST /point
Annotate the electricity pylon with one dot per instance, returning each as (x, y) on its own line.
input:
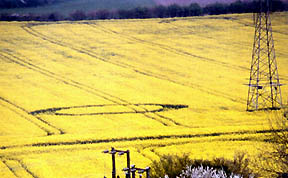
(264, 86)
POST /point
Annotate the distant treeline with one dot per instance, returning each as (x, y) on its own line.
(24, 3)
(156, 12)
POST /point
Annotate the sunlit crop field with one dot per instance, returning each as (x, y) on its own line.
(69, 90)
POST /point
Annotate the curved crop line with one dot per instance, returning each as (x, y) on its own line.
(143, 138)
(152, 147)
(22, 116)
(75, 84)
(194, 86)
(53, 111)
(169, 48)
(158, 145)
(37, 34)
(107, 113)
(142, 71)
(137, 145)
(179, 52)
(82, 50)
(36, 117)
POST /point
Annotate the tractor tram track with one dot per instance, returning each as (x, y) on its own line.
(171, 49)
(157, 117)
(160, 108)
(60, 131)
(152, 147)
(20, 165)
(181, 52)
(114, 99)
(29, 120)
(9, 167)
(138, 138)
(178, 52)
(88, 52)
(165, 121)
(168, 48)
(141, 148)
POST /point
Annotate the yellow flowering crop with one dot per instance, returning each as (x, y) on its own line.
(69, 90)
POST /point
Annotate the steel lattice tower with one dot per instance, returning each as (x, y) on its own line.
(264, 86)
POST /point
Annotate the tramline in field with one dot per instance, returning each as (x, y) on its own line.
(69, 90)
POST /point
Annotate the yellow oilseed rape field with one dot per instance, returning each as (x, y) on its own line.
(69, 90)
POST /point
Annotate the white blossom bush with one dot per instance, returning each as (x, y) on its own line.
(176, 167)
(205, 172)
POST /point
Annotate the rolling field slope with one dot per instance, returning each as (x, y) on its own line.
(69, 90)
